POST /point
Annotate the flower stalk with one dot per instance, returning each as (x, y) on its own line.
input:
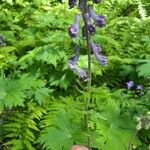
(87, 100)
(88, 29)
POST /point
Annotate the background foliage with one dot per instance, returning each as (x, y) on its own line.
(42, 101)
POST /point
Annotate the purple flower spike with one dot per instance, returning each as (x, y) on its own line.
(98, 19)
(72, 3)
(96, 1)
(73, 29)
(129, 84)
(90, 27)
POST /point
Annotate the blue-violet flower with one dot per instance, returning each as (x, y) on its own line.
(98, 19)
(97, 49)
(72, 62)
(129, 84)
(81, 73)
(73, 29)
(90, 27)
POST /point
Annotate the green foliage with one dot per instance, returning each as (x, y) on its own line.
(143, 71)
(42, 101)
(12, 92)
(19, 127)
(62, 123)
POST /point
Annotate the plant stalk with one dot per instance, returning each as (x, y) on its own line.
(87, 100)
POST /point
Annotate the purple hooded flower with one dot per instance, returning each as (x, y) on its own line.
(101, 59)
(97, 1)
(72, 3)
(73, 29)
(72, 62)
(81, 73)
(98, 19)
(129, 84)
(97, 49)
(90, 27)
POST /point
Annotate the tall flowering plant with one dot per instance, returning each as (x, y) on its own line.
(91, 20)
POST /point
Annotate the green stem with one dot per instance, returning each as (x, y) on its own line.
(87, 100)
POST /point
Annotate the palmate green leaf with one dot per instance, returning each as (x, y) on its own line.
(41, 94)
(63, 125)
(51, 54)
(113, 130)
(58, 137)
(126, 70)
(12, 91)
(117, 139)
(13, 95)
(61, 80)
(143, 70)
(114, 135)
